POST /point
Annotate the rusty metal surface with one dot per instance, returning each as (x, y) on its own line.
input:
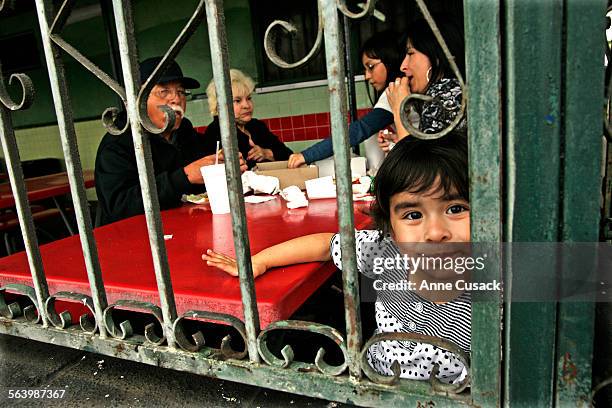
(74, 168)
(220, 65)
(199, 339)
(298, 379)
(15, 173)
(436, 384)
(125, 329)
(64, 319)
(131, 78)
(287, 351)
(346, 224)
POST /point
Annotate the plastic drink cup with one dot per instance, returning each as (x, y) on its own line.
(216, 187)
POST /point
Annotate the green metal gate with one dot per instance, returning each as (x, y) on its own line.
(535, 86)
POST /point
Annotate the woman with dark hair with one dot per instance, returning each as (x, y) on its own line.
(381, 57)
(428, 71)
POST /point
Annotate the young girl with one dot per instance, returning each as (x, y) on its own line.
(421, 199)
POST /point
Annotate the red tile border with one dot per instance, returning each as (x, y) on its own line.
(310, 120)
(298, 121)
(274, 124)
(299, 127)
(286, 123)
(311, 133)
(299, 134)
(323, 118)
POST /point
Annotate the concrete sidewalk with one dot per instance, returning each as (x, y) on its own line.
(99, 381)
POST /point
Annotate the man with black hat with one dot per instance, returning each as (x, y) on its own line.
(178, 154)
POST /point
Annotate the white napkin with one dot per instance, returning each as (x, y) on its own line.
(322, 187)
(294, 196)
(258, 199)
(259, 183)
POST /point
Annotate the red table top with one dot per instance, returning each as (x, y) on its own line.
(127, 268)
(40, 188)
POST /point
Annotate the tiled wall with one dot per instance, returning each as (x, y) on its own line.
(298, 128)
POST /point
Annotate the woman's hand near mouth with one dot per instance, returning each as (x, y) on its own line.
(396, 92)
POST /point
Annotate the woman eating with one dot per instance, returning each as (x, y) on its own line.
(255, 141)
(428, 71)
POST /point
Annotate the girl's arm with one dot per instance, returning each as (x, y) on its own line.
(359, 130)
(309, 248)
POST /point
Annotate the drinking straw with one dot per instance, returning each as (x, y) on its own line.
(217, 154)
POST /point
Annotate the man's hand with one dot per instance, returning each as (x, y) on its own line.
(296, 160)
(192, 170)
(258, 153)
(229, 265)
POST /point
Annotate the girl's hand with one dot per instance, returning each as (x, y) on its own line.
(229, 265)
(386, 139)
(296, 160)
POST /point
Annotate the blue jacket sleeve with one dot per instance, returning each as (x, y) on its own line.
(359, 131)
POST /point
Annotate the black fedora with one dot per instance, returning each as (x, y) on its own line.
(172, 73)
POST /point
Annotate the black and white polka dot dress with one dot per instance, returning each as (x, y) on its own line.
(405, 311)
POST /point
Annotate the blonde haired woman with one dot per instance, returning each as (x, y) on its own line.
(255, 141)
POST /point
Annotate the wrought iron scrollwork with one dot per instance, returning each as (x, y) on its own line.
(198, 16)
(110, 114)
(63, 320)
(225, 351)
(271, 34)
(367, 9)
(13, 310)
(125, 330)
(287, 351)
(7, 5)
(270, 40)
(436, 384)
(27, 92)
(412, 98)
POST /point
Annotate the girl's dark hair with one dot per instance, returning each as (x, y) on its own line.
(413, 166)
(420, 36)
(385, 46)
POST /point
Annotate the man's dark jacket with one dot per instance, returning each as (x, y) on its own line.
(116, 174)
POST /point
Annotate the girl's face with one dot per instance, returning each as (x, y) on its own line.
(429, 217)
(243, 107)
(375, 72)
(416, 66)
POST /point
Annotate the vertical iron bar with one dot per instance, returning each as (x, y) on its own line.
(484, 109)
(144, 162)
(220, 63)
(350, 75)
(113, 46)
(337, 103)
(581, 191)
(63, 111)
(533, 67)
(15, 173)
